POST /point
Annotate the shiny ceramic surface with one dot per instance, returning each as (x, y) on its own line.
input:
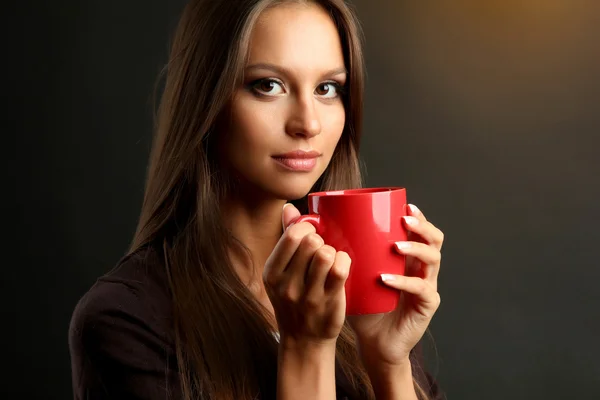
(365, 223)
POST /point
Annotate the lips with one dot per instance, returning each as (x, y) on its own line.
(298, 160)
(298, 154)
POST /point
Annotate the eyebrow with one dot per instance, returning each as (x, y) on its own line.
(285, 71)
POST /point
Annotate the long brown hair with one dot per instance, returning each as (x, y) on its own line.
(224, 345)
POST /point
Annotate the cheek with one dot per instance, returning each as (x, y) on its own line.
(251, 128)
(333, 126)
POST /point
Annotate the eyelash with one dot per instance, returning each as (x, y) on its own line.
(339, 88)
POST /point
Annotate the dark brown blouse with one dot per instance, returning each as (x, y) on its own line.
(121, 340)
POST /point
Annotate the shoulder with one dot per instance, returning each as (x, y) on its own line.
(135, 291)
(133, 283)
(120, 336)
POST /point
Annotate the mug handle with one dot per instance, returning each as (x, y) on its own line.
(313, 219)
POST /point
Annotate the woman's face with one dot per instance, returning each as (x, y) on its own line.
(291, 101)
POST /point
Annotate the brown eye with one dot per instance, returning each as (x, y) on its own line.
(267, 87)
(328, 90)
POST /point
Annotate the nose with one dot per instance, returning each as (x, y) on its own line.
(304, 121)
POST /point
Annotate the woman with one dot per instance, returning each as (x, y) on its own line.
(222, 296)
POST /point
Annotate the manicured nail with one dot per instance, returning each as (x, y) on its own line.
(388, 277)
(403, 245)
(411, 220)
(415, 210)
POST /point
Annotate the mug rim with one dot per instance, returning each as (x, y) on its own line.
(357, 192)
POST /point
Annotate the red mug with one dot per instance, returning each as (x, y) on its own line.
(365, 223)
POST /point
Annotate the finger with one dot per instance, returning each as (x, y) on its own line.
(425, 230)
(424, 252)
(284, 251)
(320, 265)
(298, 267)
(428, 299)
(429, 256)
(415, 212)
(338, 274)
(288, 215)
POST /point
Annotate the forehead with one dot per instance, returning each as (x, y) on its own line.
(297, 36)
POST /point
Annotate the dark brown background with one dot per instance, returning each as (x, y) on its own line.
(487, 111)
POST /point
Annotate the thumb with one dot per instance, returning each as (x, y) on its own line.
(289, 215)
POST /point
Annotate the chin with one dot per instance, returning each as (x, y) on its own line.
(292, 188)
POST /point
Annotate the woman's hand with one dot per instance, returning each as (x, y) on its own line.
(304, 279)
(385, 340)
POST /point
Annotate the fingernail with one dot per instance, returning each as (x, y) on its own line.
(286, 204)
(414, 209)
(388, 277)
(411, 220)
(403, 245)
